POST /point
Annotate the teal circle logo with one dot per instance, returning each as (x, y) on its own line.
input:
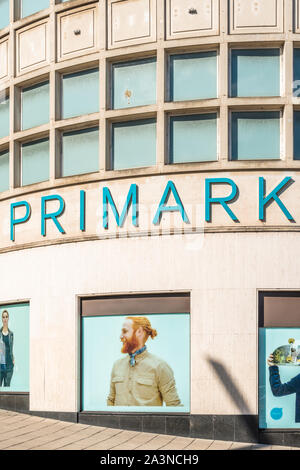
(276, 413)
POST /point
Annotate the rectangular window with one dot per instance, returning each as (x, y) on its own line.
(296, 77)
(4, 115)
(255, 72)
(297, 135)
(255, 135)
(4, 13)
(29, 7)
(35, 162)
(193, 76)
(279, 376)
(193, 138)
(80, 93)
(133, 144)
(35, 105)
(4, 171)
(111, 380)
(14, 348)
(134, 83)
(80, 152)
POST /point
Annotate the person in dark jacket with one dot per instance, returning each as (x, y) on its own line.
(6, 352)
(279, 389)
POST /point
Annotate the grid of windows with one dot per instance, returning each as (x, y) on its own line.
(198, 104)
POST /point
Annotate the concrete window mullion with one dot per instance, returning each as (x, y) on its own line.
(160, 100)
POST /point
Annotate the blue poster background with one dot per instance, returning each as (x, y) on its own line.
(18, 323)
(101, 347)
(276, 412)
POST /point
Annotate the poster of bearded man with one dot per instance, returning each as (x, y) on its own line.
(141, 378)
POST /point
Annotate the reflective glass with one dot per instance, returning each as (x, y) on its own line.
(80, 93)
(80, 152)
(35, 162)
(4, 171)
(255, 72)
(134, 83)
(4, 13)
(4, 115)
(35, 105)
(255, 135)
(193, 138)
(29, 7)
(193, 76)
(133, 144)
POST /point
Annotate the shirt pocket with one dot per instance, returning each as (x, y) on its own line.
(145, 388)
(119, 384)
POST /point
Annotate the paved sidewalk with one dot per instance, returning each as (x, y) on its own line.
(24, 432)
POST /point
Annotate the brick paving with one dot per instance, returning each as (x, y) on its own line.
(24, 432)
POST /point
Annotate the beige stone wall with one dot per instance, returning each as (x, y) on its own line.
(223, 272)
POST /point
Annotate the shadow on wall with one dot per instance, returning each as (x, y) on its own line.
(228, 383)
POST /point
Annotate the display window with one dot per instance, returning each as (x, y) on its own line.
(137, 362)
(14, 348)
(279, 361)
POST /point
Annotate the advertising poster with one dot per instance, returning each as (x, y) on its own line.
(279, 384)
(155, 377)
(14, 348)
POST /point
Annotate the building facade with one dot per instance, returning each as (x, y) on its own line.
(149, 167)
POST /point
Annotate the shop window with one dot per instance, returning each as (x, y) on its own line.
(133, 144)
(279, 375)
(255, 135)
(193, 76)
(157, 378)
(80, 152)
(80, 93)
(4, 115)
(4, 171)
(14, 348)
(35, 105)
(4, 13)
(29, 7)
(134, 83)
(255, 72)
(35, 162)
(193, 138)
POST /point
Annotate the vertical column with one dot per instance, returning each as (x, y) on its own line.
(223, 86)
(287, 134)
(54, 96)
(14, 154)
(160, 86)
(105, 85)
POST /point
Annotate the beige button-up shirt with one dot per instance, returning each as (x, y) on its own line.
(149, 383)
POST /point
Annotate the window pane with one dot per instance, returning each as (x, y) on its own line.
(134, 144)
(4, 13)
(4, 115)
(35, 162)
(255, 135)
(4, 171)
(297, 135)
(193, 138)
(80, 93)
(296, 84)
(32, 6)
(80, 152)
(255, 72)
(134, 83)
(35, 105)
(193, 76)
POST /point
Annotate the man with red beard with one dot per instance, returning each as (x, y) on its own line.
(140, 378)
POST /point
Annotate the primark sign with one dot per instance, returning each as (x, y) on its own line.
(222, 192)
